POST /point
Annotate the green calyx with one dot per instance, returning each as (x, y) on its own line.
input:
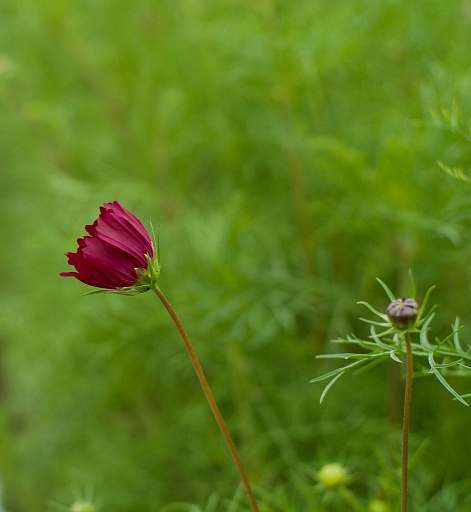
(147, 279)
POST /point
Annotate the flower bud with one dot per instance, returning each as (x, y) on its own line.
(332, 475)
(117, 254)
(402, 313)
(378, 506)
(82, 506)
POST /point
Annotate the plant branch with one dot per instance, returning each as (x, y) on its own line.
(209, 397)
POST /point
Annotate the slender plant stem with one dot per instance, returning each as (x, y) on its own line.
(406, 423)
(209, 397)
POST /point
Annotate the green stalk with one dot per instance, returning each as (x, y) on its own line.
(406, 422)
(209, 397)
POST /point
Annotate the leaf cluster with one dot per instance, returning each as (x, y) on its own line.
(444, 356)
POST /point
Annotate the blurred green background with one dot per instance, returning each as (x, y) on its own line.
(286, 152)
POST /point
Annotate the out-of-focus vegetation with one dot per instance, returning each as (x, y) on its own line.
(287, 154)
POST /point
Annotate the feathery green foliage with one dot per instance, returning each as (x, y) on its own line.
(287, 153)
(390, 344)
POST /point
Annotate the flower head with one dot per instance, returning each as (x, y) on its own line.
(117, 254)
(402, 313)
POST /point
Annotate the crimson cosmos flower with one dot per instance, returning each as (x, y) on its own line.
(117, 255)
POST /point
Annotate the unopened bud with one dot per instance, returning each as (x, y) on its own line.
(82, 506)
(378, 506)
(402, 313)
(332, 475)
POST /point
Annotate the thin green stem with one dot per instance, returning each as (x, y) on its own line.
(406, 422)
(209, 397)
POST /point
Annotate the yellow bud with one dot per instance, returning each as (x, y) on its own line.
(332, 475)
(82, 506)
(378, 506)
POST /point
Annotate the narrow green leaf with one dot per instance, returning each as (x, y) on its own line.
(378, 341)
(425, 300)
(373, 310)
(440, 377)
(394, 357)
(379, 324)
(343, 355)
(389, 293)
(333, 373)
(378, 359)
(325, 376)
(329, 385)
(454, 172)
(448, 365)
(424, 336)
(456, 336)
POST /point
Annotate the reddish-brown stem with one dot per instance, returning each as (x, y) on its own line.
(406, 423)
(209, 397)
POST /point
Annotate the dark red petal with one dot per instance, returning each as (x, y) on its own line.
(98, 267)
(130, 223)
(91, 280)
(109, 259)
(113, 232)
(121, 230)
(133, 220)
